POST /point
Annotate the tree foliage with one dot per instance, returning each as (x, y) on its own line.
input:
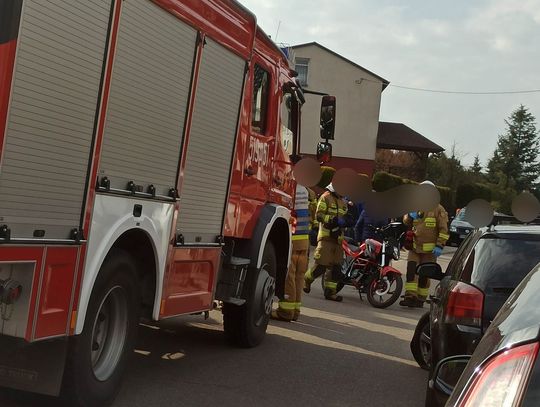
(467, 192)
(446, 170)
(476, 168)
(515, 160)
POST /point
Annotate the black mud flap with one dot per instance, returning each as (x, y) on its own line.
(36, 367)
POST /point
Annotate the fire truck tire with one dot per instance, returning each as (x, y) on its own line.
(245, 325)
(97, 357)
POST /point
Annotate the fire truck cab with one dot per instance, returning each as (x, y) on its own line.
(145, 171)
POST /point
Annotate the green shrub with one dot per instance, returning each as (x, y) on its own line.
(447, 199)
(383, 181)
(467, 192)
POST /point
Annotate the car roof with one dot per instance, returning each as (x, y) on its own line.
(512, 229)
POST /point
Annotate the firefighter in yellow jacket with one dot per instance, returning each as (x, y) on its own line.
(331, 211)
(430, 231)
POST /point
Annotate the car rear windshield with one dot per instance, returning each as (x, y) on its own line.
(500, 264)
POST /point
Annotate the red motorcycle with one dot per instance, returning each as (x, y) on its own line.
(367, 267)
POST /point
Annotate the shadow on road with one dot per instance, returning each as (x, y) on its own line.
(347, 355)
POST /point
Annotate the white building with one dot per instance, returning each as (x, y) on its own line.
(358, 93)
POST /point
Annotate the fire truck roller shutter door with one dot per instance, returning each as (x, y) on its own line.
(148, 98)
(56, 86)
(211, 143)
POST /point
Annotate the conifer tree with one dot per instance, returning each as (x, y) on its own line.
(516, 155)
(476, 168)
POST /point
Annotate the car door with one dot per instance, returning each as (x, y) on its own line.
(500, 263)
(438, 301)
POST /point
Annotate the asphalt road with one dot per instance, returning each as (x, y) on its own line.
(337, 354)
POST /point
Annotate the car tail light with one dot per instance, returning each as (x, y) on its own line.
(465, 305)
(503, 380)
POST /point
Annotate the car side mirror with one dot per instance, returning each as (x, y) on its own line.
(328, 117)
(447, 373)
(430, 270)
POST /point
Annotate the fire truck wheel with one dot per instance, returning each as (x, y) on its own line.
(245, 325)
(97, 357)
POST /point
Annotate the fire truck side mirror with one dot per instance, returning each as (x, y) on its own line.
(328, 117)
(324, 152)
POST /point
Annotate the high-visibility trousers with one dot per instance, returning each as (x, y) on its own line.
(417, 287)
(328, 255)
(289, 307)
(331, 278)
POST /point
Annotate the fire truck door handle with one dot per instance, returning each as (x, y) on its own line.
(249, 171)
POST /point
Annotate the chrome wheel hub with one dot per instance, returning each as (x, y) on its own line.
(109, 333)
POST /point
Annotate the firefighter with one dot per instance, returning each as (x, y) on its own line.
(331, 215)
(289, 307)
(430, 233)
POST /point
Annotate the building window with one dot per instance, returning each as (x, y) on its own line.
(261, 84)
(301, 66)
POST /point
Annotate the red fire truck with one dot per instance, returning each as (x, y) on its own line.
(145, 172)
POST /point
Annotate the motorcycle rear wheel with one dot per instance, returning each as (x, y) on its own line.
(383, 292)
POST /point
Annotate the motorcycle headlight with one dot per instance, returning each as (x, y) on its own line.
(395, 255)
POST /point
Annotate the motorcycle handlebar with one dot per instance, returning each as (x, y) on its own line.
(382, 230)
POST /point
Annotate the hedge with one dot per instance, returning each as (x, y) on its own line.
(383, 181)
(447, 199)
(465, 193)
(326, 177)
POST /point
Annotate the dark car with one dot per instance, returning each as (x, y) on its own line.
(504, 370)
(459, 228)
(479, 279)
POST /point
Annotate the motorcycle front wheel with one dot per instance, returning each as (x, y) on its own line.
(383, 292)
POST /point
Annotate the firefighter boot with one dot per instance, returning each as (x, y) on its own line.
(311, 275)
(330, 286)
(423, 291)
(409, 301)
(308, 279)
(419, 303)
(275, 315)
(332, 297)
(410, 298)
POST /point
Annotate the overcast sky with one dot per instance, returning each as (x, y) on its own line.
(459, 45)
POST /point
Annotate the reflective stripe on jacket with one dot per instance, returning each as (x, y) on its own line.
(301, 228)
(430, 230)
(312, 196)
(330, 208)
